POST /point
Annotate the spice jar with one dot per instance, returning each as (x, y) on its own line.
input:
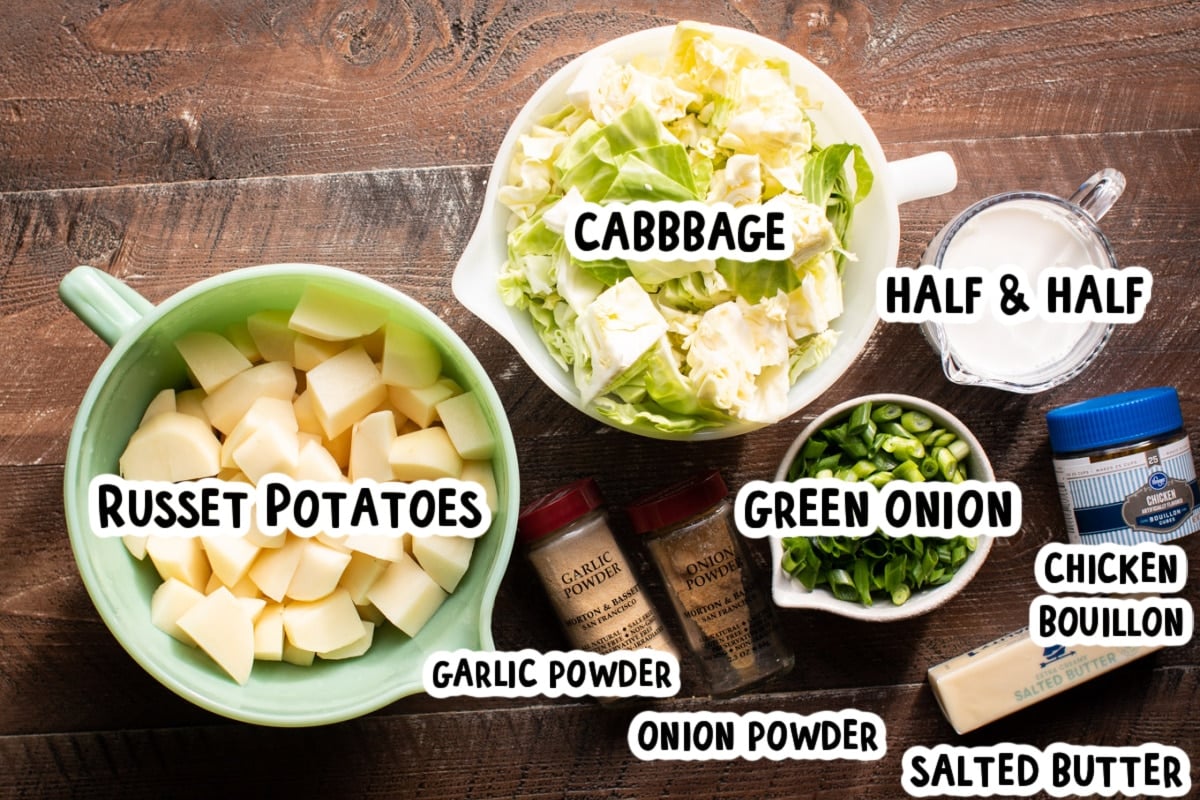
(591, 585)
(1124, 468)
(725, 613)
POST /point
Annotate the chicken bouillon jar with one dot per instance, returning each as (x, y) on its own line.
(726, 615)
(591, 585)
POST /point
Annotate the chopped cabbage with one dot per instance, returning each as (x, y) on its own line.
(679, 346)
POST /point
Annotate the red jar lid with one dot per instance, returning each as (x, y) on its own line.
(676, 503)
(561, 507)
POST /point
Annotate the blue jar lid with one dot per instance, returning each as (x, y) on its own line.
(1114, 419)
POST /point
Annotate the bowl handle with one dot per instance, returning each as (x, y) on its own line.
(106, 305)
(926, 175)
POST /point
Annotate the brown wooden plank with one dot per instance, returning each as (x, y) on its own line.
(559, 751)
(143, 91)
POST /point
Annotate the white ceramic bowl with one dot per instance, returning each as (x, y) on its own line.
(874, 236)
(790, 593)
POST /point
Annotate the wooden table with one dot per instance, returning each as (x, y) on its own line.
(167, 142)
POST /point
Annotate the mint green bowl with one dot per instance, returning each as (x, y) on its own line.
(142, 362)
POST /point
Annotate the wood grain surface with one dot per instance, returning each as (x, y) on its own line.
(165, 142)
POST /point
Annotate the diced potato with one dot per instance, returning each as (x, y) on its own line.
(339, 447)
(362, 571)
(306, 417)
(230, 557)
(420, 405)
(322, 625)
(466, 425)
(253, 605)
(262, 412)
(210, 358)
(335, 316)
(356, 648)
(345, 389)
(271, 335)
(259, 539)
(268, 450)
(229, 403)
(179, 557)
(318, 572)
(424, 455)
(409, 358)
(369, 445)
(311, 351)
(213, 584)
(136, 545)
(296, 655)
(222, 626)
(239, 336)
(244, 588)
(171, 447)
(171, 600)
(317, 464)
(374, 341)
(163, 401)
(481, 472)
(406, 595)
(191, 402)
(369, 613)
(333, 542)
(444, 558)
(272, 571)
(268, 633)
(381, 546)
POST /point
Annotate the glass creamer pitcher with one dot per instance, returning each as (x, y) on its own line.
(1031, 231)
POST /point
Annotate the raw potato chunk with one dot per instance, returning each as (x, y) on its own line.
(296, 655)
(318, 572)
(356, 648)
(179, 557)
(362, 571)
(381, 546)
(406, 595)
(163, 401)
(230, 403)
(262, 412)
(369, 613)
(259, 539)
(239, 336)
(467, 427)
(171, 600)
(369, 446)
(409, 358)
(444, 558)
(481, 472)
(268, 633)
(272, 571)
(253, 605)
(333, 316)
(191, 403)
(322, 625)
(271, 335)
(311, 351)
(269, 449)
(420, 405)
(171, 447)
(210, 358)
(230, 557)
(345, 389)
(222, 626)
(136, 545)
(317, 464)
(339, 447)
(424, 455)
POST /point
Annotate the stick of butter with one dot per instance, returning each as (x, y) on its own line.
(1006, 675)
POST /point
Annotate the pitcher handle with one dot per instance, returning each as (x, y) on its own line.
(106, 305)
(1097, 194)
(926, 175)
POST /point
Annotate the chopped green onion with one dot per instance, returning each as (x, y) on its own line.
(915, 421)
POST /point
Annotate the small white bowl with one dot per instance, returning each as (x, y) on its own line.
(790, 593)
(874, 235)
